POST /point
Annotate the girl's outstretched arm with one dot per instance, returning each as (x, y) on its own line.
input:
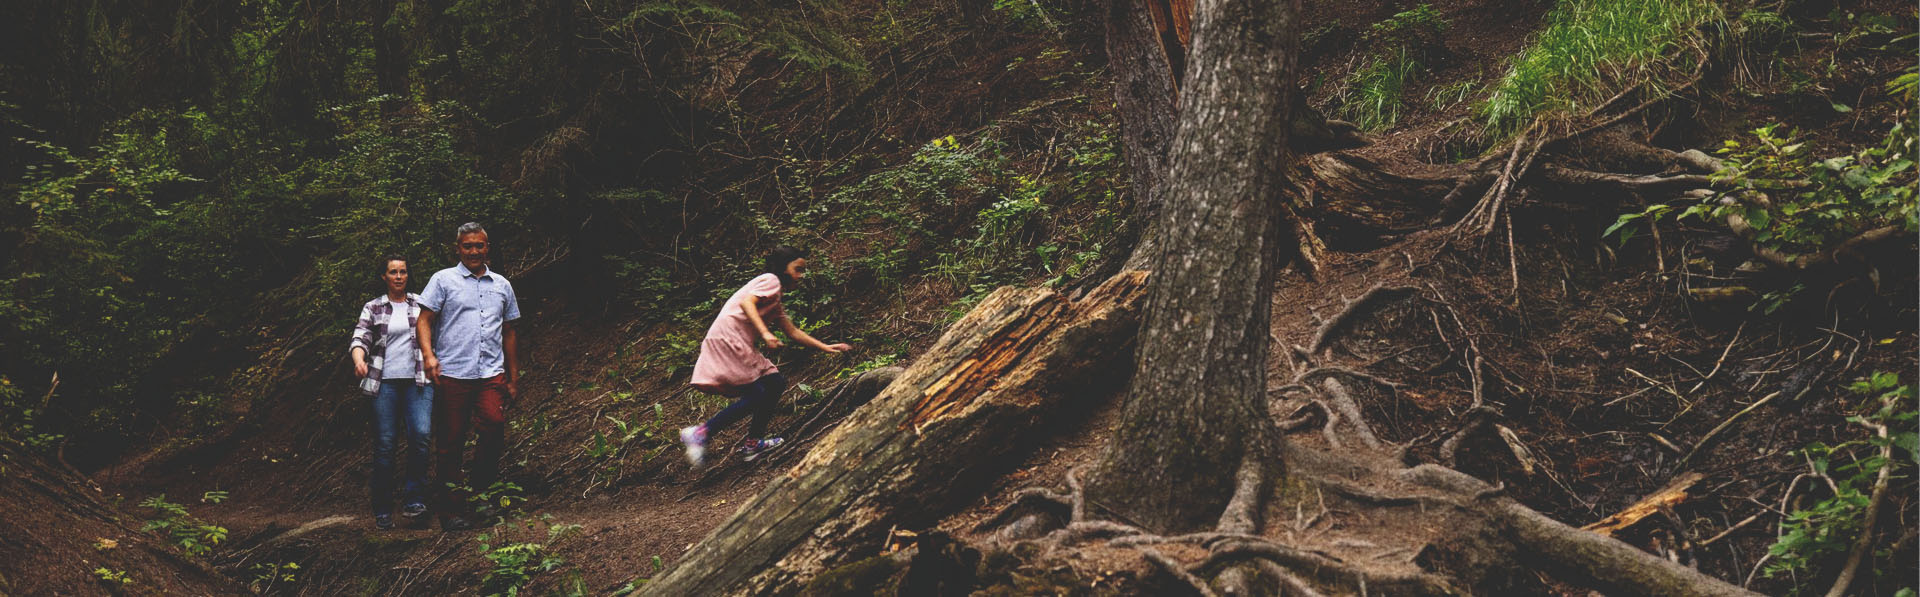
(799, 335)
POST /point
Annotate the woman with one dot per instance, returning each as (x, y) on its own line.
(730, 366)
(387, 359)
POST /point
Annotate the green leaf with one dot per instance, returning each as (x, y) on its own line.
(1624, 218)
(1841, 108)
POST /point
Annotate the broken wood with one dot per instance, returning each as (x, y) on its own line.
(1667, 497)
(952, 420)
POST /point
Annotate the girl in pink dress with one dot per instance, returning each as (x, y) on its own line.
(729, 364)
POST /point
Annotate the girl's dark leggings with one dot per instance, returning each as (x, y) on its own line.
(757, 398)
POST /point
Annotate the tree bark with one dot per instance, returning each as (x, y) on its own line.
(1143, 93)
(1195, 408)
(950, 422)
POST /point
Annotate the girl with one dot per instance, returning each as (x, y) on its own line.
(387, 359)
(730, 366)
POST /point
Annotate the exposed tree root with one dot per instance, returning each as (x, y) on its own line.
(1330, 331)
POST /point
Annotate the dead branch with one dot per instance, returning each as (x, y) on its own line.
(1667, 497)
(1723, 427)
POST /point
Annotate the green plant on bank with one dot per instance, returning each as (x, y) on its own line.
(266, 575)
(191, 534)
(1817, 535)
(112, 577)
(516, 563)
(607, 445)
(1453, 94)
(1373, 96)
(502, 497)
(881, 360)
(1588, 51)
(1790, 202)
(17, 419)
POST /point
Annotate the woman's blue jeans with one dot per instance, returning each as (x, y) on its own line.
(399, 407)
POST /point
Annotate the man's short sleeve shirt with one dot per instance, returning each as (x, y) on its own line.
(469, 312)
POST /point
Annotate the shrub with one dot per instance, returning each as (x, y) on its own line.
(1815, 536)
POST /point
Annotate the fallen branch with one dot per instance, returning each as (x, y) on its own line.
(1723, 427)
(1667, 497)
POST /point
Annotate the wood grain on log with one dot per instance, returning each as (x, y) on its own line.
(927, 444)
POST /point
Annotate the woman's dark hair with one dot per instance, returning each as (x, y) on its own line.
(390, 258)
(777, 261)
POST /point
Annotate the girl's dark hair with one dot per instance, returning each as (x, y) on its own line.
(777, 261)
(390, 258)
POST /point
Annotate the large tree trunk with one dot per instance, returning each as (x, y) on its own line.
(944, 426)
(1195, 408)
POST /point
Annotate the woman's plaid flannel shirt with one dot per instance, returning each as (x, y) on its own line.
(370, 333)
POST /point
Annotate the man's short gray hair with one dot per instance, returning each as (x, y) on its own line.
(468, 228)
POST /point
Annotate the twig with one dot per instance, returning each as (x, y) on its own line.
(1736, 526)
(1723, 358)
(1723, 426)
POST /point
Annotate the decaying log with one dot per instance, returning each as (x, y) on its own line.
(950, 421)
(1590, 558)
(1672, 495)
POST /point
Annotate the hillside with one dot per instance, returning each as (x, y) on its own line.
(200, 196)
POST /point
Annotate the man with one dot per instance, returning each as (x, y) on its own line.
(467, 346)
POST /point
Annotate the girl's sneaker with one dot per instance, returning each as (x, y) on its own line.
(695, 439)
(754, 448)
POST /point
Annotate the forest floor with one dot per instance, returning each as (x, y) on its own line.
(1604, 372)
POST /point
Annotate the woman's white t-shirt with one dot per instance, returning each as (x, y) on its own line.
(399, 338)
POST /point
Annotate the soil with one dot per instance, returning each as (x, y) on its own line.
(1599, 364)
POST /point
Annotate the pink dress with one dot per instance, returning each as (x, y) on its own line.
(728, 359)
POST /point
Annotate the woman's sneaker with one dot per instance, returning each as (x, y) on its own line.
(695, 439)
(754, 448)
(413, 511)
(383, 522)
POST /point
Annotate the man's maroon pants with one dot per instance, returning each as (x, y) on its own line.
(459, 405)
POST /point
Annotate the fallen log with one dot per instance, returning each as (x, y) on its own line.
(927, 444)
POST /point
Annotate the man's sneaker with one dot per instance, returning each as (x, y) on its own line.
(695, 439)
(413, 510)
(383, 521)
(754, 448)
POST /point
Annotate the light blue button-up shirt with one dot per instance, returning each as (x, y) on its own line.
(469, 311)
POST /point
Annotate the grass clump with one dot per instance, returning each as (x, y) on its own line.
(1588, 51)
(1406, 43)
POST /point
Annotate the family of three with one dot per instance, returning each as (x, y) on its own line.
(445, 361)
